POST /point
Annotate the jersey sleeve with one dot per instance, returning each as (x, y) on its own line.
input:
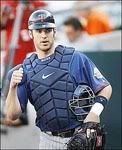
(84, 71)
(21, 90)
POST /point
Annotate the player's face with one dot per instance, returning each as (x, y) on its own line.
(71, 33)
(43, 39)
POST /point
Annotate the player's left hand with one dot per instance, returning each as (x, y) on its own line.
(89, 136)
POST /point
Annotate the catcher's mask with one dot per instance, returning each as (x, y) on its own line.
(83, 99)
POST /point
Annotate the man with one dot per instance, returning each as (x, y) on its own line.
(77, 37)
(48, 78)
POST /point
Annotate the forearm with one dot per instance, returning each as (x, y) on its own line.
(13, 109)
(102, 99)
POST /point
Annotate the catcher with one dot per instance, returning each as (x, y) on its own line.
(60, 83)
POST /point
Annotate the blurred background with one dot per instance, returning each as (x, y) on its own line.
(92, 27)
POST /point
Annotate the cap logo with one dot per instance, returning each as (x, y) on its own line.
(41, 17)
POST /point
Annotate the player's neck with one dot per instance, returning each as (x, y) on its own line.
(44, 54)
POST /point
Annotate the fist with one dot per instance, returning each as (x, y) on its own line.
(16, 78)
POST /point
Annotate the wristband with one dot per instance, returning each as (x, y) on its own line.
(102, 100)
(99, 105)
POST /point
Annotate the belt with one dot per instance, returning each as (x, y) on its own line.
(65, 134)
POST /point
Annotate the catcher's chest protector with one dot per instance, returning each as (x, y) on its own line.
(50, 86)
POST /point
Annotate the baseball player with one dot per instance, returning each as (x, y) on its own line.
(48, 79)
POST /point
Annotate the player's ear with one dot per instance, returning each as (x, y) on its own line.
(30, 34)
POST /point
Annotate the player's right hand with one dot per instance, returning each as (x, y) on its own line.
(16, 78)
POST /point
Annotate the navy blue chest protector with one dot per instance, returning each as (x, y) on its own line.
(50, 86)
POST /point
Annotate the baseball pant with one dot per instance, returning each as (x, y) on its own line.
(48, 141)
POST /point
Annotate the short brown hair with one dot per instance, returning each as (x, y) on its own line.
(74, 22)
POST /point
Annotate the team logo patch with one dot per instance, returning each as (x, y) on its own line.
(97, 73)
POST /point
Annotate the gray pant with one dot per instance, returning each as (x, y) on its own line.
(48, 141)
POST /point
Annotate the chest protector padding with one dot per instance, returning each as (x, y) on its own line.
(50, 86)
